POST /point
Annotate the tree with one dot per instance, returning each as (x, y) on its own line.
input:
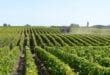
(9, 25)
(27, 25)
(5, 25)
(74, 25)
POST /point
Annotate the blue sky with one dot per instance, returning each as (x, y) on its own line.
(54, 12)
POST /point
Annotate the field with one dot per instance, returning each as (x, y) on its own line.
(47, 51)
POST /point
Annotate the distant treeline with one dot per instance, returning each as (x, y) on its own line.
(101, 26)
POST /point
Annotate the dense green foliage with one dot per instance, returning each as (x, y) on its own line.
(30, 65)
(61, 54)
(8, 60)
(54, 65)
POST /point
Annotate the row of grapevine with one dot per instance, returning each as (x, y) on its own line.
(66, 40)
(81, 65)
(46, 30)
(59, 54)
(62, 39)
(97, 54)
(54, 65)
(58, 39)
(8, 60)
(53, 40)
(9, 36)
(30, 66)
(46, 40)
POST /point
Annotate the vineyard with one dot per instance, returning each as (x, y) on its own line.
(47, 51)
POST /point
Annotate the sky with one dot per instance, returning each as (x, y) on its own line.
(55, 12)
